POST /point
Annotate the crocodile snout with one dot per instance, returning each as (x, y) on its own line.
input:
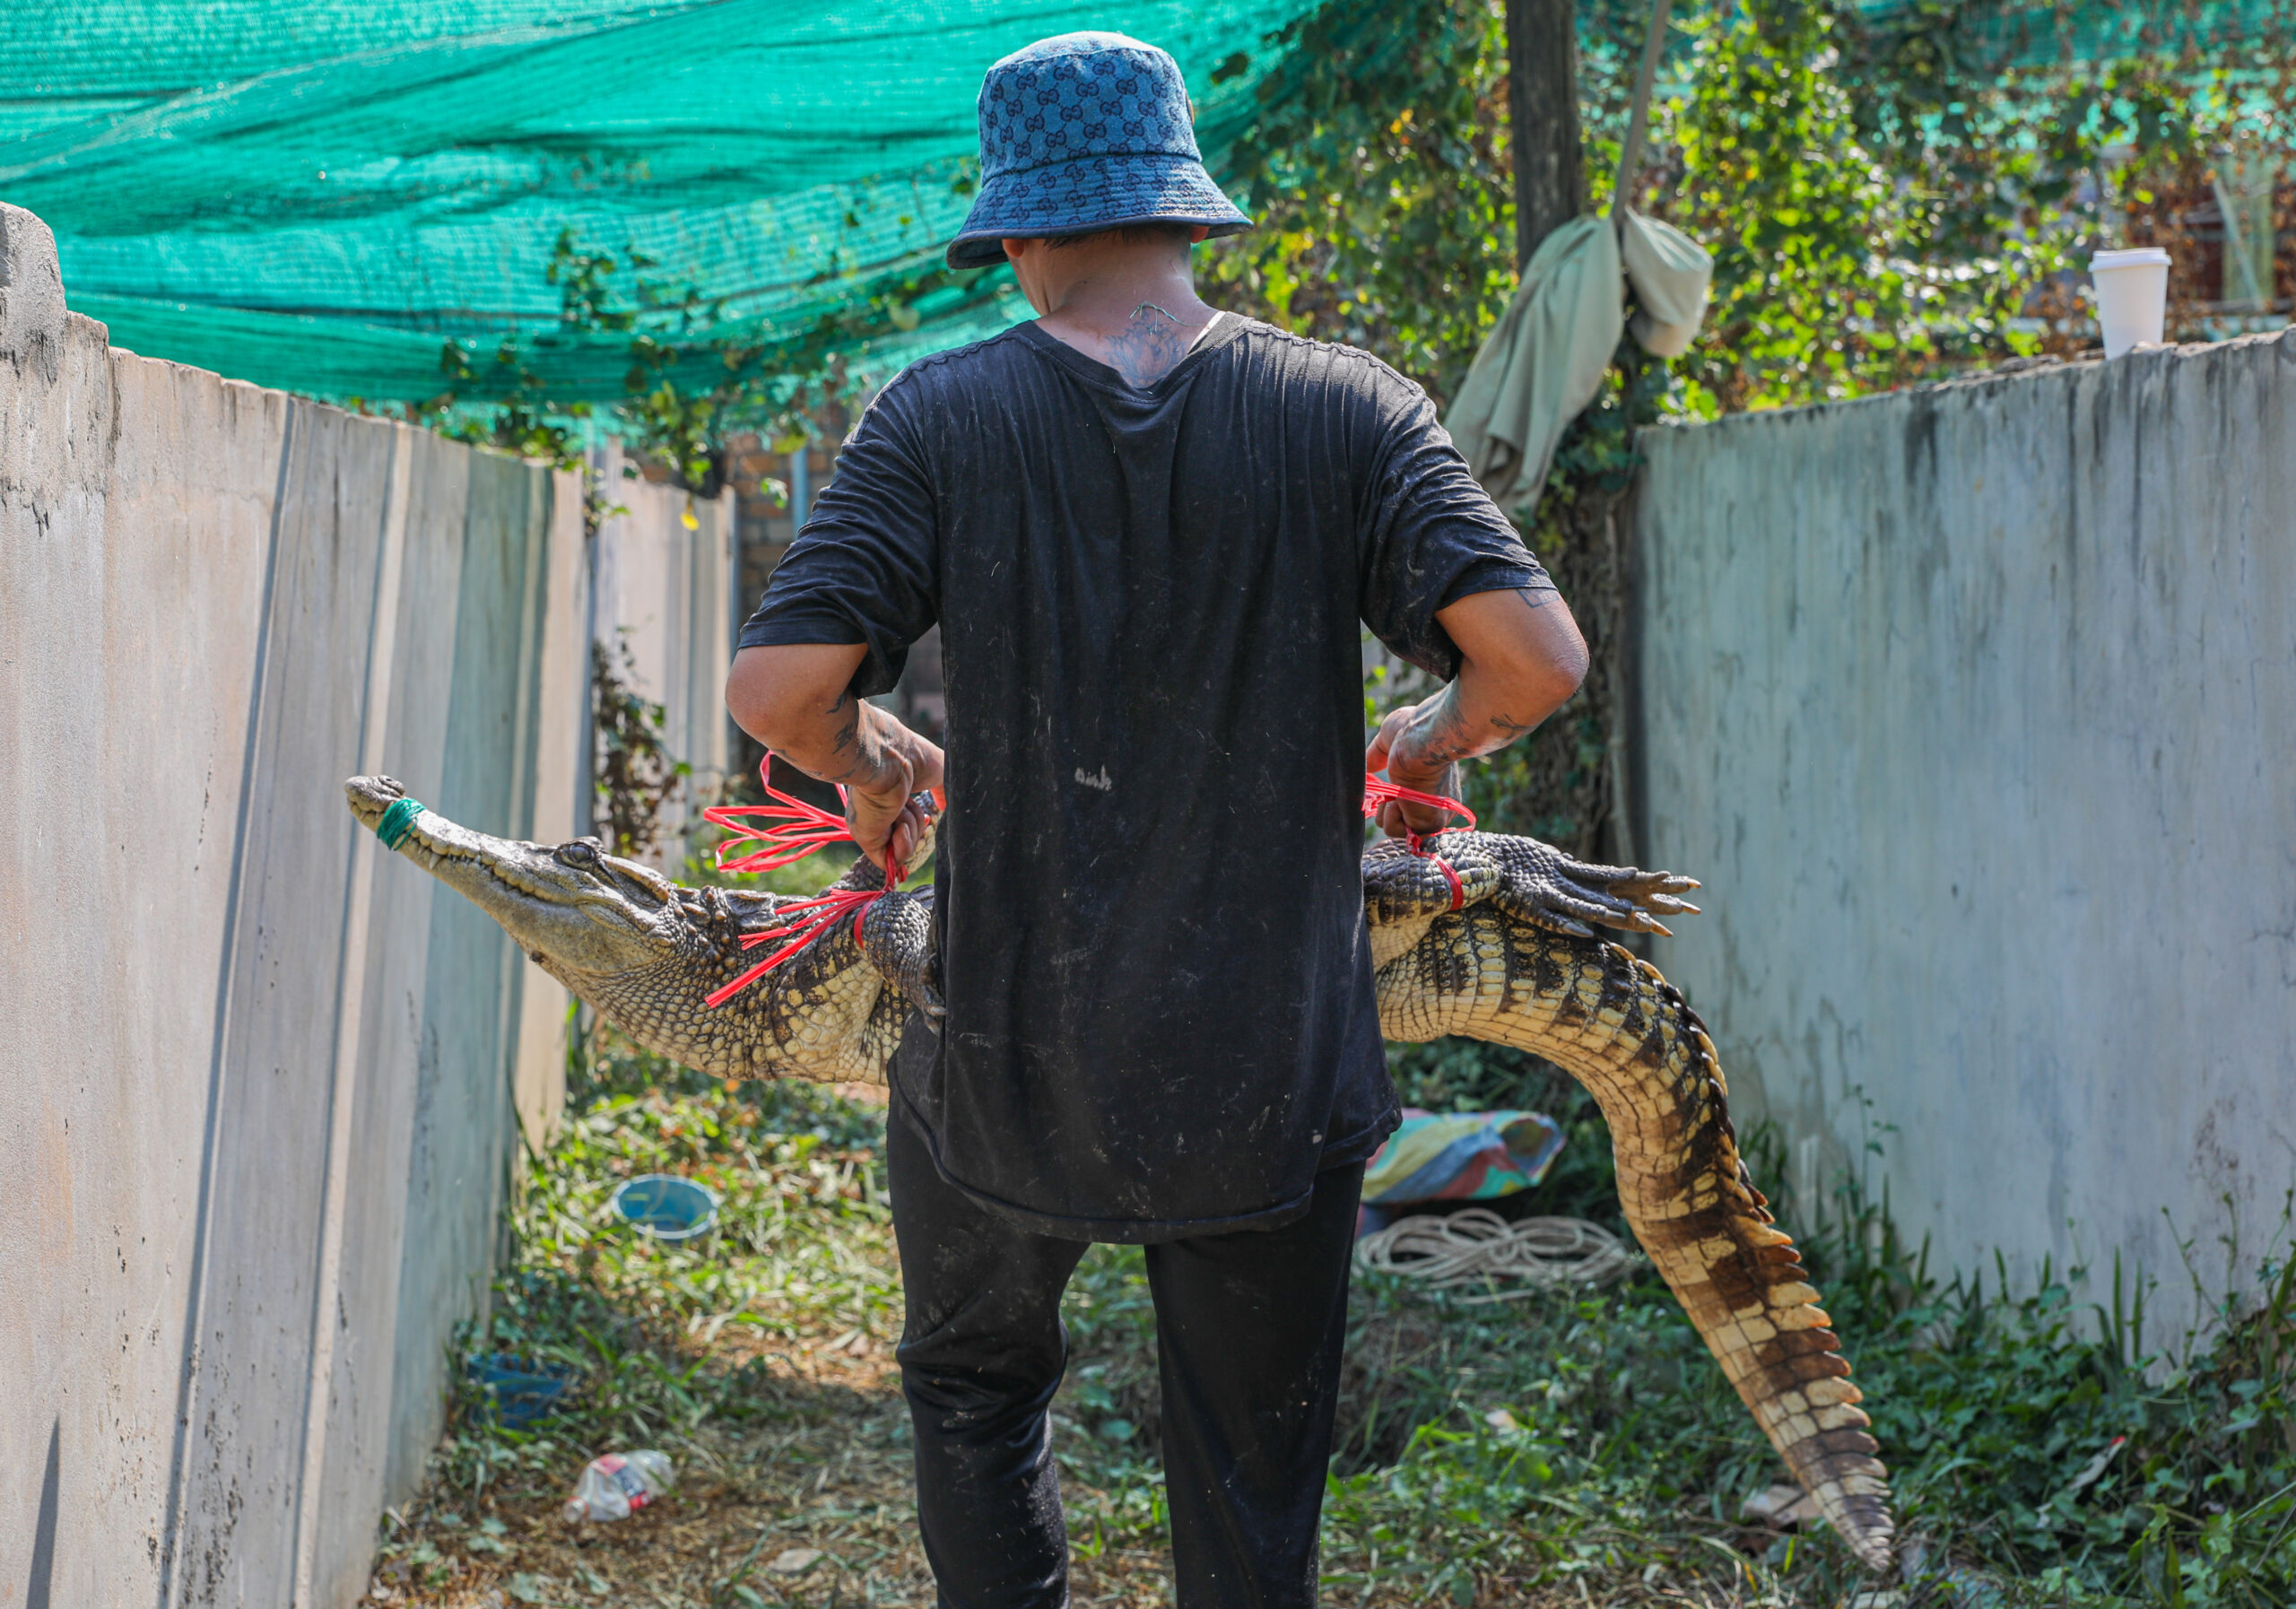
(369, 797)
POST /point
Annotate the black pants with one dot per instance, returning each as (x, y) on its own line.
(1249, 1329)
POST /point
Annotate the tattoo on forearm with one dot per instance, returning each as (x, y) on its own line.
(847, 733)
(1441, 734)
(864, 747)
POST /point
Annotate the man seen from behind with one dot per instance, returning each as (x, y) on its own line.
(1149, 533)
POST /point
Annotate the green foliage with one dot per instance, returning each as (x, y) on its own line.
(634, 773)
(522, 419)
(802, 1240)
(1833, 275)
(685, 379)
(2034, 1434)
(1889, 197)
(1379, 181)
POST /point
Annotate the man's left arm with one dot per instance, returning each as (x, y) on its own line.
(1450, 587)
(1520, 659)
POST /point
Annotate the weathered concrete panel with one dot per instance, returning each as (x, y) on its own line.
(262, 1299)
(120, 864)
(267, 1078)
(466, 1135)
(1972, 706)
(562, 681)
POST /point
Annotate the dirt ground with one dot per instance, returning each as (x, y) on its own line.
(1484, 1456)
(814, 1506)
(819, 1511)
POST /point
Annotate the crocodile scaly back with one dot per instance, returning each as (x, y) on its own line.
(1622, 1031)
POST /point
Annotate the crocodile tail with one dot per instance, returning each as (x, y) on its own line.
(1626, 1034)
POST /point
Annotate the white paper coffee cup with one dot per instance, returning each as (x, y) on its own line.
(2132, 295)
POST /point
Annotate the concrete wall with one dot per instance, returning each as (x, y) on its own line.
(1973, 708)
(260, 1079)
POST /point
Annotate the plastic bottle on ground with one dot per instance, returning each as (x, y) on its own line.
(614, 1484)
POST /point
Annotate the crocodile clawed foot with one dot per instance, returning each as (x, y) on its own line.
(897, 936)
(1540, 885)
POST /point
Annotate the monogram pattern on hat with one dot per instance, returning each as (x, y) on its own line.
(1090, 95)
(1084, 131)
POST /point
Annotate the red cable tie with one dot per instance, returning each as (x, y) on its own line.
(798, 829)
(1378, 792)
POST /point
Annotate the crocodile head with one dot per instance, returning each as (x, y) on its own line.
(576, 910)
(646, 952)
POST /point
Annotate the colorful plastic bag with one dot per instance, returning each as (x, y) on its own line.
(1458, 1156)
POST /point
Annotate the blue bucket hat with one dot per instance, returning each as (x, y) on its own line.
(1083, 132)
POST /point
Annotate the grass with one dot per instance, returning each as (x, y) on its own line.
(1566, 1452)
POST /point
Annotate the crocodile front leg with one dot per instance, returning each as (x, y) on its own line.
(1533, 882)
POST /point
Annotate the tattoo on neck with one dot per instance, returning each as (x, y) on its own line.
(1148, 346)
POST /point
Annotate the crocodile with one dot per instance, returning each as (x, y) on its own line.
(1482, 934)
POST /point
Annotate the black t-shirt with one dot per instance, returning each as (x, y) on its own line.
(1161, 1017)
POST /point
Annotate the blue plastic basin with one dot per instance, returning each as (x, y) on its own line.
(665, 1207)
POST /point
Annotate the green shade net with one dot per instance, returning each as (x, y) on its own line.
(318, 196)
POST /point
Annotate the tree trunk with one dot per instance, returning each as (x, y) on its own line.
(1543, 113)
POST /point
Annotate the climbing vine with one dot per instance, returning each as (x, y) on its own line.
(635, 773)
(697, 371)
(1889, 199)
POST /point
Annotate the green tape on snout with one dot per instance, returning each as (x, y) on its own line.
(396, 821)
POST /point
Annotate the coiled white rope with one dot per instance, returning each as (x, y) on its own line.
(1476, 1245)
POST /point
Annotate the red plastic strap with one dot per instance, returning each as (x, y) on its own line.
(1458, 894)
(1378, 792)
(810, 917)
(800, 829)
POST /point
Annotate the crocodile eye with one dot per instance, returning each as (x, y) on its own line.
(582, 853)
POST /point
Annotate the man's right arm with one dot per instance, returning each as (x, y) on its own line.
(1520, 658)
(798, 701)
